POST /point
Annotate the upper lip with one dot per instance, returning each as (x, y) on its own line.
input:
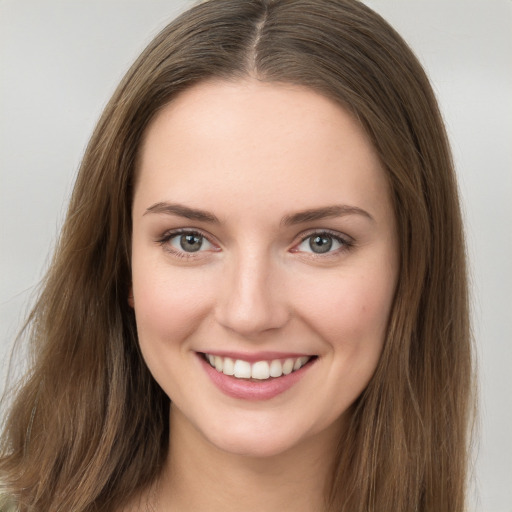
(253, 357)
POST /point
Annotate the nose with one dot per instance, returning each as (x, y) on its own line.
(253, 298)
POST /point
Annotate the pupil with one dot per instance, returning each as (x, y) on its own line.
(191, 243)
(320, 244)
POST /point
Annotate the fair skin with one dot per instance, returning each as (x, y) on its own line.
(263, 232)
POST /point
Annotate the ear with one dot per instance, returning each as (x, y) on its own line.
(131, 302)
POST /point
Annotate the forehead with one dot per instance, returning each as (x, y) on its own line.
(265, 142)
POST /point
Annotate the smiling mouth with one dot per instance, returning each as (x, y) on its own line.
(260, 370)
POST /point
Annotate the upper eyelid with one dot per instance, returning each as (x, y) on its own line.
(331, 232)
(179, 231)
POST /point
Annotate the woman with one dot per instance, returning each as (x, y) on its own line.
(259, 298)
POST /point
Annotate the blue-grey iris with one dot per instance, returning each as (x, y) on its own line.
(320, 243)
(191, 242)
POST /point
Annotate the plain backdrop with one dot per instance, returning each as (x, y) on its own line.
(61, 60)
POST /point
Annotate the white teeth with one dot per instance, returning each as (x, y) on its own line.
(276, 368)
(300, 362)
(288, 366)
(260, 370)
(229, 366)
(242, 369)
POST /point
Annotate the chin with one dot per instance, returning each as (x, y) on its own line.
(260, 437)
(254, 443)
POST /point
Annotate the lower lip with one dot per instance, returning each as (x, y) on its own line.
(251, 389)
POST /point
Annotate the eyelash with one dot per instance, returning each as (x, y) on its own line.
(345, 242)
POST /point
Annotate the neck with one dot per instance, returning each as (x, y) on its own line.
(200, 476)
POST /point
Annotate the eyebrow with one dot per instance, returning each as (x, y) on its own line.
(323, 213)
(288, 220)
(182, 211)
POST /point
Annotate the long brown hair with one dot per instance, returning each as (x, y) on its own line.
(89, 425)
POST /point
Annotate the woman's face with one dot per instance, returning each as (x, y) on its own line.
(264, 263)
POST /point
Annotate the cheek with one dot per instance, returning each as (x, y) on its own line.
(351, 312)
(168, 303)
(351, 318)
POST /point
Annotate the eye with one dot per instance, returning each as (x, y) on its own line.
(184, 243)
(189, 242)
(322, 243)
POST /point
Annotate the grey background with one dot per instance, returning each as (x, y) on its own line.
(61, 60)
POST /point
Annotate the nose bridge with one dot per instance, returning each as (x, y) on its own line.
(252, 300)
